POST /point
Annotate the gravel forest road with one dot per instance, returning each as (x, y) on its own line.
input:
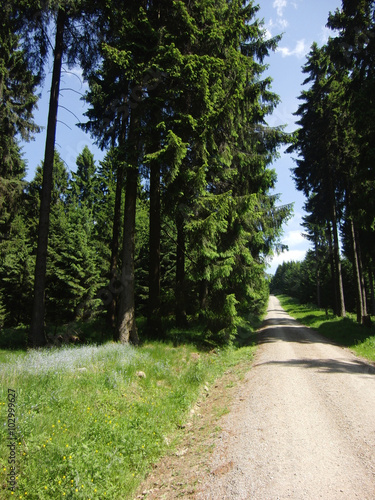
(302, 425)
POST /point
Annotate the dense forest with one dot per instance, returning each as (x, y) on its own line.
(174, 226)
(334, 153)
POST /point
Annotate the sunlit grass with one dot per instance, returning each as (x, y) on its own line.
(344, 331)
(88, 425)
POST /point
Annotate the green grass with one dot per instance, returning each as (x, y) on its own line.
(88, 427)
(344, 331)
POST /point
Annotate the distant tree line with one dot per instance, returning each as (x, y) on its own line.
(178, 219)
(335, 167)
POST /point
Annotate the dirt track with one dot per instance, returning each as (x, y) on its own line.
(302, 425)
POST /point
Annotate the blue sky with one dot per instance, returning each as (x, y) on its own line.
(301, 21)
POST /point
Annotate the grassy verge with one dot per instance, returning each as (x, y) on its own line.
(91, 420)
(344, 331)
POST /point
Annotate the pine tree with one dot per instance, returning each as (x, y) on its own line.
(319, 143)
(17, 102)
(83, 184)
(76, 41)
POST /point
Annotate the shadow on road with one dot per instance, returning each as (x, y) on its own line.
(289, 330)
(328, 365)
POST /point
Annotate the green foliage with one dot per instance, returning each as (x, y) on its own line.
(335, 152)
(177, 89)
(16, 274)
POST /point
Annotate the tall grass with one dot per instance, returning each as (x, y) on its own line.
(344, 331)
(89, 424)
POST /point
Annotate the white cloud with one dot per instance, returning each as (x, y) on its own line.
(291, 255)
(280, 5)
(297, 244)
(294, 239)
(300, 50)
(281, 22)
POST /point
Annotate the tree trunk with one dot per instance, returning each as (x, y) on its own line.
(337, 261)
(372, 291)
(127, 328)
(154, 321)
(181, 319)
(318, 299)
(37, 334)
(362, 276)
(111, 313)
(357, 276)
(203, 294)
(335, 304)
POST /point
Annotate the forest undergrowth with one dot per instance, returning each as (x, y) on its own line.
(92, 419)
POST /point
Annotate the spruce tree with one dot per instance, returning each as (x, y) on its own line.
(18, 100)
(320, 146)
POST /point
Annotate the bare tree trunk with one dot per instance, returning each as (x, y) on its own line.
(336, 255)
(180, 273)
(332, 266)
(357, 275)
(111, 313)
(127, 328)
(363, 284)
(372, 291)
(154, 321)
(37, 334)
